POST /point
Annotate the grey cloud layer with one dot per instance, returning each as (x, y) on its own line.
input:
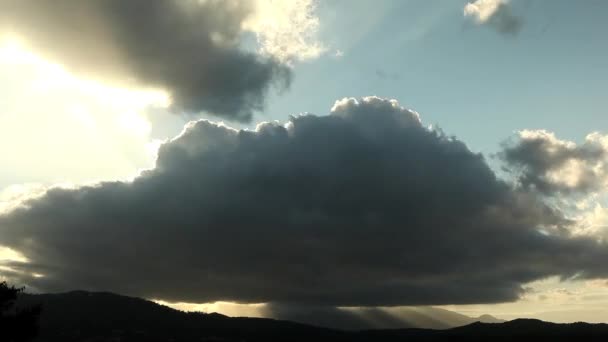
(552, 166)
(362, 207)
(188, 47)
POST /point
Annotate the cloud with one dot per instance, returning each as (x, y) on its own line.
(362, 207)
(494, 13)
(286, 30)
(190, 48)
(552, 166)
(594, 222)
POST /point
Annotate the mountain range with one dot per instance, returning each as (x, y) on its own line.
(103, 317)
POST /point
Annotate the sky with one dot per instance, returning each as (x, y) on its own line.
(258, 156)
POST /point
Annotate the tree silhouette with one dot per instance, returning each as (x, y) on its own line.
(16, 324)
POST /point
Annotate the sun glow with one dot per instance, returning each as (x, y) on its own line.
(13, 52)
(225, 308)
(7, 254)
(110, 123)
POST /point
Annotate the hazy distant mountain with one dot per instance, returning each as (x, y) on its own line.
(488, 319)
(371, 318)
(84, 316)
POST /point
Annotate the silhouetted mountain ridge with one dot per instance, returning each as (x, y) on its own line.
(85, 316)
(80, 316)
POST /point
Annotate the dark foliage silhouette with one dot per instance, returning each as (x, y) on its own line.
(16, 324)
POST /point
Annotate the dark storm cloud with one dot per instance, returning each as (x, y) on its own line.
(188, 47)
(362, 207)
(541, 161)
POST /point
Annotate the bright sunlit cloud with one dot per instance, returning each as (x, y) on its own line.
(483, 10)
(286, 30)
(495, 13)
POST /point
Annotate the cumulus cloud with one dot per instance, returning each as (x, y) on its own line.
(552, 166)
(494, 13)
(189, 48)
(362, 207)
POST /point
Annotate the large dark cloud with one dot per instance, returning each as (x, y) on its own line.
(188, 47)
(362, 207)
(552, 166)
